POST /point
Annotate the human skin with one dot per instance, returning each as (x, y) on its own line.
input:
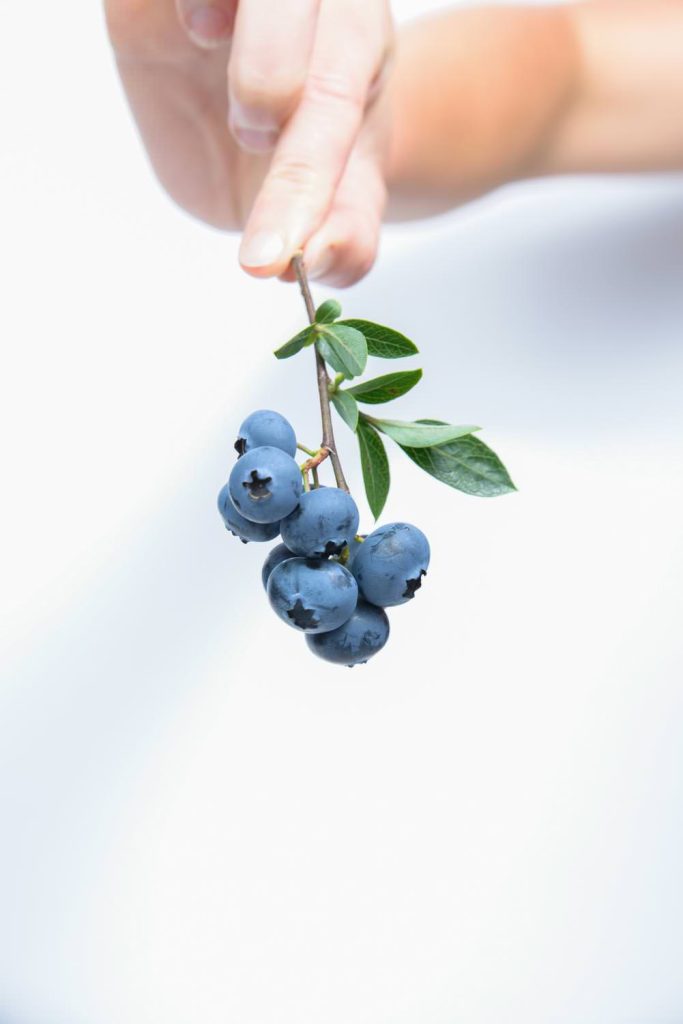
(290, 123)
(310, 74)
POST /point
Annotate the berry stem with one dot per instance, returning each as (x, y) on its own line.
(328, 444)
(307, 451)
(311, 465)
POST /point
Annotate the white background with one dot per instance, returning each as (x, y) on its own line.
(200, 823)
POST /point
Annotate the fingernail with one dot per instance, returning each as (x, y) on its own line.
(261, 249)
(255, 130)
(255, 140)
(208, 26)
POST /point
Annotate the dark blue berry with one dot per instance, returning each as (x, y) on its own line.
(312, 595)
(280, 553)
(265, 427)
(325, 521)
(265, 485)
(390, 564)
(241, 527)
(358, 639)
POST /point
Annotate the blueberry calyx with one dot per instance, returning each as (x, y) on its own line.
(257, 486)
(413, 585)
(301, 616)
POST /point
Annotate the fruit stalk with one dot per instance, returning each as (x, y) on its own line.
(328, 444)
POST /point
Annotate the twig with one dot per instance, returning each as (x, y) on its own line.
(327, 445)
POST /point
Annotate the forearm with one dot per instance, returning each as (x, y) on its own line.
(485, 96)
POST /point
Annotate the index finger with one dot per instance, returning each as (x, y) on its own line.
(308, 163)
(271, 51)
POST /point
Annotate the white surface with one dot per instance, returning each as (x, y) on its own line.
(200, 823)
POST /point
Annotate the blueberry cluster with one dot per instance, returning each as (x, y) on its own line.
(323, 579)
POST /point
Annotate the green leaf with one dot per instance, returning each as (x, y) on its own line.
(330, 356)
(295, 344)
(421, 434)
(386, 388)
(466, 464)
(344, 348)
(382, 341)
(346, 406)
(327, 312)
(375, 466)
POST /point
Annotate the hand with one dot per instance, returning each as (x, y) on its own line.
(268, 117)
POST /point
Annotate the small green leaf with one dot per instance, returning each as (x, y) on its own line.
(346, 406)
(295, 344)
(421, 434)
(327, 312)
(386, 388)
(330, 356)
(344, 348)
(375, 466)
(382, 341)
(466, 464)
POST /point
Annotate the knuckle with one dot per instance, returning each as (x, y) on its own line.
(297, 174)
(327, 88)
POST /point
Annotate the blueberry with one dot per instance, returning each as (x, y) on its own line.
(241, 527)
(280, 553)
(325, 521)
(390, 564)
(265, 485)
(361, 636)
(265, 427)
(312, 595)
